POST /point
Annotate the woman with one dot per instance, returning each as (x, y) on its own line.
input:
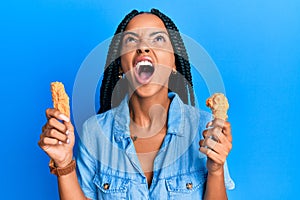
(144, 144)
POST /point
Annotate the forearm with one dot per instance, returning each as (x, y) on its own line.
(69, 188)
(215, 186)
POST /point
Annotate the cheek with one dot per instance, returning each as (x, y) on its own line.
(167, 59)
(126, 62)
(173, 61)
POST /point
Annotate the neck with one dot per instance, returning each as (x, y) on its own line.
(146, 111)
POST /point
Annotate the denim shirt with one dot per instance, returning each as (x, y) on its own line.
(108, 166)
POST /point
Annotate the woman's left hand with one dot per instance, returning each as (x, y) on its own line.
(216, 145)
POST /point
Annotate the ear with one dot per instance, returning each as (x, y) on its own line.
(174, 65)
(174, 71)
(121, 70)
(174, 68)
(121, 73)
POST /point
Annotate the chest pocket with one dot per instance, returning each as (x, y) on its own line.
(189, 186)
(111, 187)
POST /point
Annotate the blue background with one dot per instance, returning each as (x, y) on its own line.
(254, 43)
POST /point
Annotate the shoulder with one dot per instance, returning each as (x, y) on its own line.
(108, 122)
(181, 112)
(192, 111)
(201, 116)
(97, 124)
(100, 119)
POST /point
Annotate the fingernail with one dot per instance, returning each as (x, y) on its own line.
(67, 132)
(64, 117)
(68, 141)
(209, 124)
(59, 142)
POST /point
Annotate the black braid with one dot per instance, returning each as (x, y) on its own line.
(113, 63)
(181, 84)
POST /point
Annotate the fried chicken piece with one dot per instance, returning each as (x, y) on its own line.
(60, 98)
(218, 104)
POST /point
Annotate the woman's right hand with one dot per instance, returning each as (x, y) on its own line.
(57, 138)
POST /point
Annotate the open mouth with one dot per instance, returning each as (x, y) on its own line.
(144, 71)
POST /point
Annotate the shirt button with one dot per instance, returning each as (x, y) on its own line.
(189, 186)
(105, 186)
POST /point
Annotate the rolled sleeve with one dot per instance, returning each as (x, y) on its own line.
(86, 169)
(229, 183)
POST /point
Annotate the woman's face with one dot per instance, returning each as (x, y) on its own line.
(147, 55)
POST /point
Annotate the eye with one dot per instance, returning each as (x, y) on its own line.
(130, 40)
(159, 38)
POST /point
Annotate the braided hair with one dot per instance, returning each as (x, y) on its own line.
(181, 83)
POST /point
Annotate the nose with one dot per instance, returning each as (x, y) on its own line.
(141, 50)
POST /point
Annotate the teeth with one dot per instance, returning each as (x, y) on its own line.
(144, 62)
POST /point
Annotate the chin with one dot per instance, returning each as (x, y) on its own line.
(150, 90)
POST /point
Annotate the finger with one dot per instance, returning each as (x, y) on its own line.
(227, 129)
(210, 143)
(217, 134)
(221, 139)
(218, 123)
(214, 133)
(69, 127)
(209, 124)
(224, 126)
(54, 123)
(205, 133)
(201, 143)
(219, 148)
(70, 132)
(55, 134)
(46, 141)
(217, 158)
(51, 112)
(44, 127)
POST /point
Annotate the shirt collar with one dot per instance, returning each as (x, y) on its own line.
(121, 120)
(175, 117)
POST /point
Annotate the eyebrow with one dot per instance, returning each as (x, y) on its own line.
(151, 34)
(130, 33)
(158, 32)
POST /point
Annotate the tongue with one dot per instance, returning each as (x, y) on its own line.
(145, 72)
(145, 75)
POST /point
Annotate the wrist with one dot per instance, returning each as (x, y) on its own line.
(218, 172)
(64, 162)
(61, 171)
